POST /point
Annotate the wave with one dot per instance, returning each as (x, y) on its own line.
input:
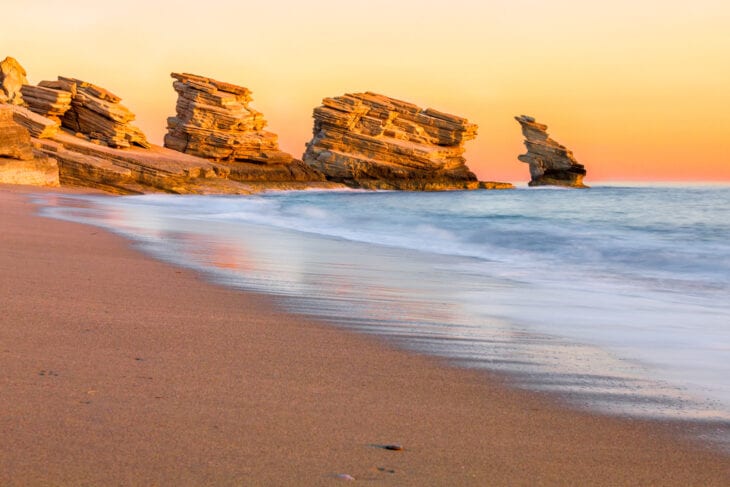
(641, 275)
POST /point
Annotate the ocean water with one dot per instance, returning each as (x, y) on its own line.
(616, 297)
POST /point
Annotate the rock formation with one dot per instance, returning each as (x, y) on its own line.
(81, 135)
(97, 113)
(76, 105)
(214, 121)
(48, 99)
(18, 163)
(372, 141)
(12, 78)
(14, 139)
(38, 125)
(550, 163)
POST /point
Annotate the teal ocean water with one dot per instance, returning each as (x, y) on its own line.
(616, 297)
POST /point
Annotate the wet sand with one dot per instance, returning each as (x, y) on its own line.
(116, 369)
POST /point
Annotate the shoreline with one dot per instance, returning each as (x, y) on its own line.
(98, 390)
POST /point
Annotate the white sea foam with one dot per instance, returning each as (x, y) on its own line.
(621, 291)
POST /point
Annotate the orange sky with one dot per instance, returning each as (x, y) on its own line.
(637, 89)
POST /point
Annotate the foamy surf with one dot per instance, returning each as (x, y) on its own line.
(615, 297)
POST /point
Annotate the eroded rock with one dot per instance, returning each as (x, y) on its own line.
(215, 121)
(14, 139)
(551, 164)
(86, 108)
(373, 141)
(19, 164)
(48, 99)
(38, 125)
(12, 78)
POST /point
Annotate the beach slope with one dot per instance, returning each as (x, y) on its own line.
(116, 369)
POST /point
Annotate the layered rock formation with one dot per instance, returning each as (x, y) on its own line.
(12, 78)
(38, 125)
(98, 113)
(551, 164)
(372, 141)
(48, 99)
(74, 104)
(88, 132)
(18, 163)
(214, 121)
(216, 143)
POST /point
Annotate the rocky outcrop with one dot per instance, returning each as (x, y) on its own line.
(137, 170)
(38, 125)
(215, 121)
(372, 141)
(88, 132)
(12, 78)
(18, 163)
(48, 99)
(14, 139)
(98, 113)
(551, 164)
(74, 104)
(133, 170)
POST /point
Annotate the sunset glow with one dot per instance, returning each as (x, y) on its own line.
(638, 90)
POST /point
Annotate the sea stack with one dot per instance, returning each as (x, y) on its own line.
(371, 141)
(214, 121)
(551, 164)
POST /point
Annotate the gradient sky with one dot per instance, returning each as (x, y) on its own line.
(638, 89)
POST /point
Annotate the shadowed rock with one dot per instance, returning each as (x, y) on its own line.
(551, 164)
(372, 141)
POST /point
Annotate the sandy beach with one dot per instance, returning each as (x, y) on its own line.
(116, 369)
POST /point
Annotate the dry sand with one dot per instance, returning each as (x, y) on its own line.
(116, 369)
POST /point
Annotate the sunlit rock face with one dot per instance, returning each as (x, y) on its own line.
(551, 164)
(18, 162)
(372, 141)
(83, 108)
(12, 78)
(76, 133)
(215, 121)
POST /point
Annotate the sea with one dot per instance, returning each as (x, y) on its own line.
(616, 297)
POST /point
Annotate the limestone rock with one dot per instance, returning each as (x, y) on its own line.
(551, 164)
(88, 109)
(132, 170)
(214, 120)
(99, 147)
(14, 139)
(49, 102)
(18, 163)
(372, 141)
(38, 125)
(12, 78)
